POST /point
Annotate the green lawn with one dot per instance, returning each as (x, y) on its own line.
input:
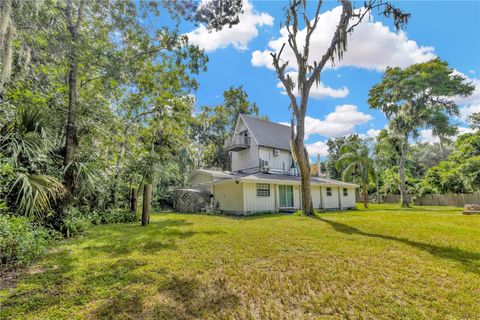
(384, 263)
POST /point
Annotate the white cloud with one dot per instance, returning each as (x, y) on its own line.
(338, 123)
(371, 46)
(238, 35)
(319, 147)
(317, 92)
(373, 133)
(468, 110)
(470, 104)
(475, 96)
(426, 135)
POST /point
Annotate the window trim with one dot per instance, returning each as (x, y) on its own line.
(264, 189)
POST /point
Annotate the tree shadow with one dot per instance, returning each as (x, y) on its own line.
(409, 209)
(157, 236)
(189, 298)
(63, 280)
(41, 289)
(469, 260)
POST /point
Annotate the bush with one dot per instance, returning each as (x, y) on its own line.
(117, 215)
(74, 223)
(20, 242)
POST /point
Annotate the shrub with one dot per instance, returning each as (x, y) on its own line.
(117, 215)
(74, 222)
(20, 242)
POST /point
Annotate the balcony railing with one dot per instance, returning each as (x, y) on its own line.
(237, 143)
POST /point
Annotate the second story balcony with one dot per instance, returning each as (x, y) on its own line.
(237, 143)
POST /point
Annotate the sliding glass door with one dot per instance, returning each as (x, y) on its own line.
(286, 196)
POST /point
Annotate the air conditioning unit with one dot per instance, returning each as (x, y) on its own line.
(264, 165)
(276, 152)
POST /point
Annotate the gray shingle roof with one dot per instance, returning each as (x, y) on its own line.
(268, 134)
(266, 177)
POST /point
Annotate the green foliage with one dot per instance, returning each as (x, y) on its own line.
(334, 145)
(419, 96)
(115, 215)
(20, 242)
(35, 193)
(460, 172)
(474, 120)
(357, 165)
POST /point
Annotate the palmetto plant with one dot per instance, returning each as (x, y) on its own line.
(83, 177)
(25, 138)
(24, 141)
(35, 193)
(355, 158)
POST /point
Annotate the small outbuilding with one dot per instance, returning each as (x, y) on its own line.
(191, 199)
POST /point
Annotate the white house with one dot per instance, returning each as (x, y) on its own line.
(264, 177)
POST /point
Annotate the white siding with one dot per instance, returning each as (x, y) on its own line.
(252, 203)
(247, 158)
(349, 200)
(330, 202)
(229, 196)
(276, 163)
(316, 197)
(296, 197)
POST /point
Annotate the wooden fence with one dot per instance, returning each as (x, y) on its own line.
(455, 200)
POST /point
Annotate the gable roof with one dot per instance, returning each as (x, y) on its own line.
(268, 134)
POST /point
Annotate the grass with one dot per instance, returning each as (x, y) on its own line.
(384, 263)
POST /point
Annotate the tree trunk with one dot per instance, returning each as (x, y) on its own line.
(365, 196)
(378, 189)
(401, 173)
(147, 205)
(133, 200)
(301, 156)
(71, 140)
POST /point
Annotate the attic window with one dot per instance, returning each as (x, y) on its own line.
(184, 198)
(329, 192)
(263, 190)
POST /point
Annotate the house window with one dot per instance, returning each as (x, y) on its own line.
(329, 192)
(345, 192)
(263, 190)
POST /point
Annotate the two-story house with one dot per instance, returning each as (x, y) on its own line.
(264, 177)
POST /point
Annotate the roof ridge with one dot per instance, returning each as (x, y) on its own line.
(255, 118)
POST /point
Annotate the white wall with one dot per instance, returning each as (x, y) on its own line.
(316, 197)
(229, 195)
(276, 163)
(254, 203)
(349, 200)
(247, 158)
(332, 201)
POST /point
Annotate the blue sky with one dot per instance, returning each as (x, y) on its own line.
(239, 56)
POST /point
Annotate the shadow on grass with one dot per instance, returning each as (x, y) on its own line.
(41, 289)
(175, 298)
(157, 236)
(469, 260)
(86, 274)
(408, 209)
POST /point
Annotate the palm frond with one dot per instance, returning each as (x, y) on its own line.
(35, 193)
(84, 177)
